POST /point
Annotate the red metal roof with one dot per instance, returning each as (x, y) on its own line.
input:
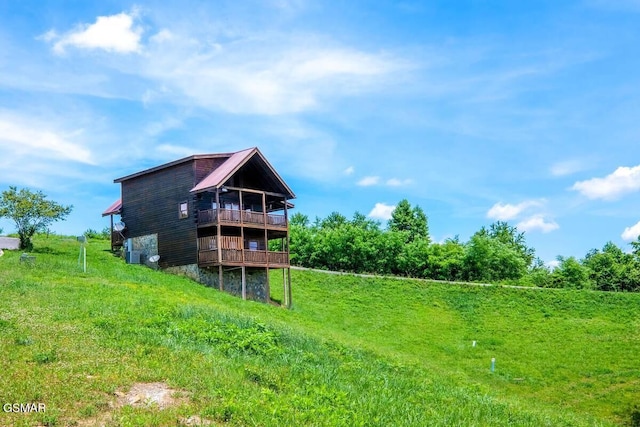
(114, 209)
(224, 171)
(218, 177)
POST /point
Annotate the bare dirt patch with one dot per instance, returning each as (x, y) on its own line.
(147, 395)
(150, 394)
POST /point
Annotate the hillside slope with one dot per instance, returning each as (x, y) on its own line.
(352, 351)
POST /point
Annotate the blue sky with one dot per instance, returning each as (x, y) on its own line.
(475, 110)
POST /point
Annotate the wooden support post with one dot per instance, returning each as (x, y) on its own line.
(266, 243)
(240, 207)
(242, 234)
(219, 242)
(112, 245)
(244, 282)
(289, 288)
(264, 221)
(218, 229)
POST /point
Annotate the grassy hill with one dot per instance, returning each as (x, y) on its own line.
(352, 351)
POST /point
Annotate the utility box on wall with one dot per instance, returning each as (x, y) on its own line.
(133, 257)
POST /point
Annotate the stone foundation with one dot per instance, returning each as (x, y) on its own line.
(255, 280)
(147, 245)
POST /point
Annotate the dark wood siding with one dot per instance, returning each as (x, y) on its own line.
(203, 167)
(150, 204)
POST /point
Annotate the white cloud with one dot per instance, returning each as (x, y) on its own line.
(335, 62)
(368, 181)
(382, 211)
(537, 223)
(115, 33)
(553, 264)
(216, 65)
(272, 74)
(349, 171)
(162, 36)
(395, 182)
(622, 181)
(631, 233)
(567, 167)
(21, 137)
(507, 211)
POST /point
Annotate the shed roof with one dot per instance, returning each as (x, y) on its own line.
(114, 209)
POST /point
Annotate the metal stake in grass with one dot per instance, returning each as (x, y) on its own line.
(83, 252)
(493, 364)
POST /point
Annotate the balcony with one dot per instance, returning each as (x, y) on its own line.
(231, 253)
(247, 218)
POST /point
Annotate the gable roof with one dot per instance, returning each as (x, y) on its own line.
(217, 178)
(220, 175)
(223, 172)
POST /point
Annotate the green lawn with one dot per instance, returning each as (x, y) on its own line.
(352, 351)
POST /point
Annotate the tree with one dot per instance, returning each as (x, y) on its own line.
(570, 273)
(446, 260)
(613, 270)
(636, 247)
(605, 267)
(411, 221)
(334, 220)
(489, 259)
(413, 258)
(301, 240)
(539, 274)
(509, 235)
(31, 211)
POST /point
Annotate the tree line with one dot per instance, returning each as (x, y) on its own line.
(494, 254)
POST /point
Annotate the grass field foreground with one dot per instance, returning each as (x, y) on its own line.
(351, 352)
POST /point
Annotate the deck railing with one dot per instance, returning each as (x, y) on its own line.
(279, 220)
(116, 239)
(278, 257)
(211, 216)
(234, 256)
(226, 242)
(207, 257)
(253, 217)
(255, 257)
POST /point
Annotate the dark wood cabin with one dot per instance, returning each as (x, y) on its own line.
(219, 218)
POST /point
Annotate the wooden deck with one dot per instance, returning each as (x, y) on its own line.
(117, 240)
(209, 257)
(210, 217)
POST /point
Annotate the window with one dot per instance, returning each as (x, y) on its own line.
(184, 210)
(253, 245)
